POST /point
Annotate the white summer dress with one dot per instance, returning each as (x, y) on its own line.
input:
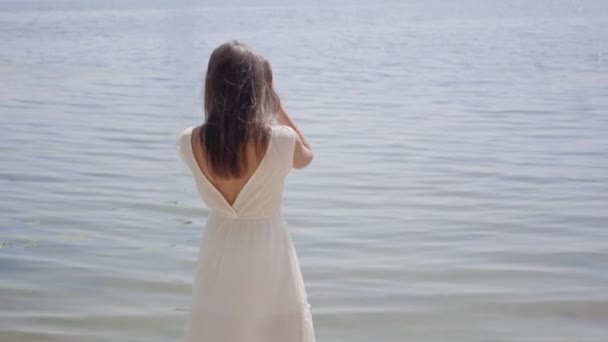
(248, 285)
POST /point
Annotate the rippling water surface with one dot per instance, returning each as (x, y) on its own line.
(459, 190)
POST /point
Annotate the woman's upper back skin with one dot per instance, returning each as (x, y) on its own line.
(231, 188)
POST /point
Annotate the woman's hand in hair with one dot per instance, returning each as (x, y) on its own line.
(302, 155)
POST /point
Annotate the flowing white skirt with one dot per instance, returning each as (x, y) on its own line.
(249, 285)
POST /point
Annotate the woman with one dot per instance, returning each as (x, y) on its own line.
(248, 286)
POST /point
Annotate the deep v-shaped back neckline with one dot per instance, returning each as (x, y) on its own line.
(251, 178)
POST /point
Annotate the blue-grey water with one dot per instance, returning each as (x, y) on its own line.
(459, 190)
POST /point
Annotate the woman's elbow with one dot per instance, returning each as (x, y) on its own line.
(303, 160)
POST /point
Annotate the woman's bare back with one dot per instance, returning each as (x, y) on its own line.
(229, 188)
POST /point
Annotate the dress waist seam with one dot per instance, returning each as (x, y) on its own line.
(245, 218)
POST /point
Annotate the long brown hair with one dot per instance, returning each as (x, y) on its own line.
(274, 100)
(238, 107)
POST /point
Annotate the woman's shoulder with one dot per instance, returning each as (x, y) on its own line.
(189, 129)
(283, 131)
(184, 135)
(285, 139)
(183, 141)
